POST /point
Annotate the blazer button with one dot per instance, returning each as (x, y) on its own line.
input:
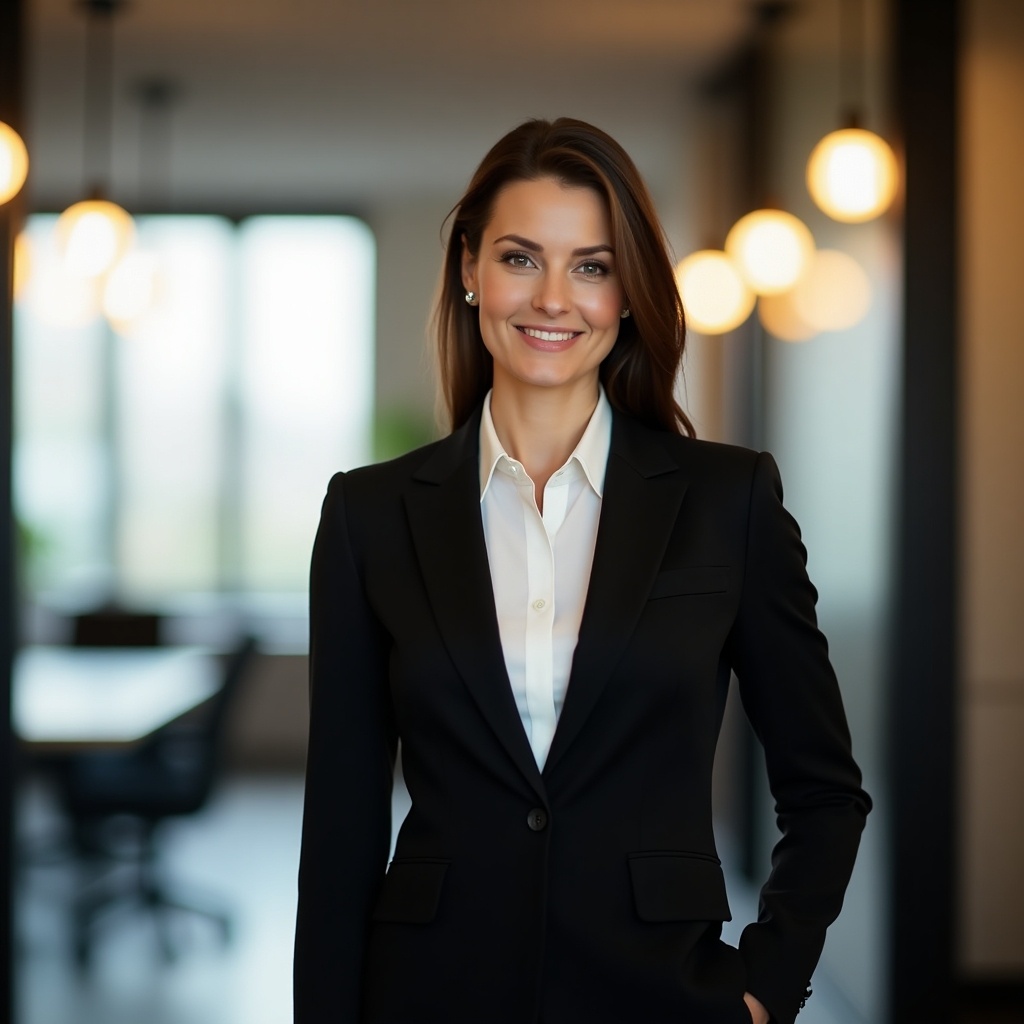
(537, 819)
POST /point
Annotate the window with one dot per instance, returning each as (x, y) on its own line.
(188, 451)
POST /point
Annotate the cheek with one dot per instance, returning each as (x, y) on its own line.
(500, 295)
(602, 311)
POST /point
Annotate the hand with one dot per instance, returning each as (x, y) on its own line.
(758, 1013)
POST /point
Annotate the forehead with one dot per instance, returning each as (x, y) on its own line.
(547, 208)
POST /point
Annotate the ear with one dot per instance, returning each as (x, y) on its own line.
(469, 266)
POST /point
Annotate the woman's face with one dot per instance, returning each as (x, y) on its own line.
(548, 287)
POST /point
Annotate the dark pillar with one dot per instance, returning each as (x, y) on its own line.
(11, 25)
(921, 742)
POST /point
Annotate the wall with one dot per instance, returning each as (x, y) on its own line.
(992, 490)
(409, 252)
(830, 420)
(268, 729)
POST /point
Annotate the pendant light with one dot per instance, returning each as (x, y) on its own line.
(772, 248)
(13, 163)
(716, 298)
(22, 264)
(132, 289)
(92, 235)
(833, 295)
(781, 319)
(852, 173)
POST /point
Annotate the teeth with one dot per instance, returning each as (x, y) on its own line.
(548, 335)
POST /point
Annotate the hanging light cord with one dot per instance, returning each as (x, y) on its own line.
(156, 96)
(851, 62)
(99, 94)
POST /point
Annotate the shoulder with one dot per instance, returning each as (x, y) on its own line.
(648, 446)
(431, 463)
(724, 477)
(714, 456)
(391, 473)
(374, 488)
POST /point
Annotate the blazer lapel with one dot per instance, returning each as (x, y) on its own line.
(642, 495)
(443, 506)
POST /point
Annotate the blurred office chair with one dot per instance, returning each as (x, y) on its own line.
(118, 801)
(107, 625)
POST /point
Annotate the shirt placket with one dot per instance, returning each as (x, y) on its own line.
(540, 615)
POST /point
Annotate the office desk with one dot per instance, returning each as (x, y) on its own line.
(67, 699)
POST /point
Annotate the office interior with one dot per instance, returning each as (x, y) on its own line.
(193, 488)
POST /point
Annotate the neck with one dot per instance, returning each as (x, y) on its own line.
(540, 427)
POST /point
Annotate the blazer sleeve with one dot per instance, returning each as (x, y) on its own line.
(346, 827)
(791, 697)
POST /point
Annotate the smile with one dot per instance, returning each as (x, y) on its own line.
(532, 332)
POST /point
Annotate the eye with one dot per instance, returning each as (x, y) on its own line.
(519, 260)
(593, 269)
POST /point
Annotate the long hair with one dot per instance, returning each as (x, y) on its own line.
(640, 371)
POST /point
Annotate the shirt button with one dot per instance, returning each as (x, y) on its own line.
(537, 819)
(540, 604)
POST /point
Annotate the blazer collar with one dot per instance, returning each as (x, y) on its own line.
(443, 506)
(637, 445)
(448, 455)
(644, 489)
(642, 494)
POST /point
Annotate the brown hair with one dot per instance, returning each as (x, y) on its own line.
(639, 373)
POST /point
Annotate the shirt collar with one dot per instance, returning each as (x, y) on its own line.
(591, 453)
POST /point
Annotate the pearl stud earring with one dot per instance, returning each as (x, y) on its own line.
(470, 298)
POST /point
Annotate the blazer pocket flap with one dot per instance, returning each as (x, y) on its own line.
(411, 891)
(678, 887)
(691, 579)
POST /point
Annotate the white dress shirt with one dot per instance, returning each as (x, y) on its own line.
(540, 565)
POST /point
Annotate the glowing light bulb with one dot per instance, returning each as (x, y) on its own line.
(22, 264)
(779, 317)
(93, 235)
(13, 163)
(715, 296)
(852, 175)
(60, 299)
(771, 248)
(834, 294)
(130, 290)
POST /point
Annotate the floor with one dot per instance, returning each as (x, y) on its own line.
(244, 849)
(242, 853)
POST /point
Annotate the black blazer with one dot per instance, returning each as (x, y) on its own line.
(591, 891)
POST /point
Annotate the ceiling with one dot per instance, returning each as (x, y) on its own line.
(345, 103)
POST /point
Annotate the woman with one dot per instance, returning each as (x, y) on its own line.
(545, 608)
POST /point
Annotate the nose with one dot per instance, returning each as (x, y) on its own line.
(552, 295)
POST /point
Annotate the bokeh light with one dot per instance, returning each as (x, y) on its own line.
(852, 175)
(130, 290)
(779, 317)
(771, 248)
(93, 235)
(834, 294)
(13, 163)
(715, 296)
(59, 298)
(22, 264)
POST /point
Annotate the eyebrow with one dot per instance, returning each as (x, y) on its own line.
(586, 250)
